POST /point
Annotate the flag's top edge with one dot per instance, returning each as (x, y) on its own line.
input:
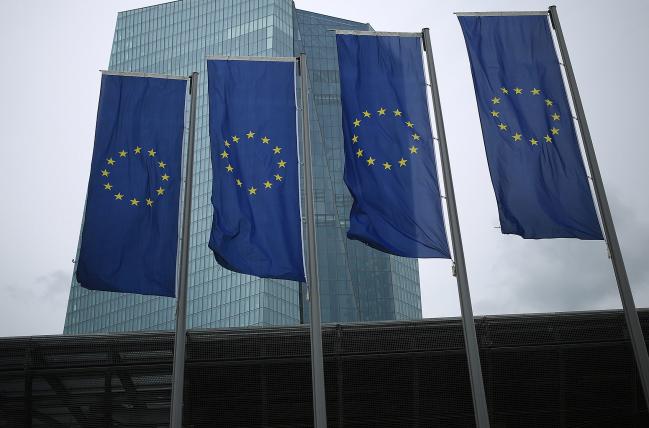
(375, 33)
(521, 13)
(134, 74)
(251, 58)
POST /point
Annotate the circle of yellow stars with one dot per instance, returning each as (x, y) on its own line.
(119, 196)
(265, 185)
(516, 135)
(364, 154)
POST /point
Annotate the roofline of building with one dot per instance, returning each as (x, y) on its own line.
(301, 10)
(146, 7)
(330, 16)
(367, 324)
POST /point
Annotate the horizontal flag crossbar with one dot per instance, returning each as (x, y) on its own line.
(376, 33)
(252, 58)
(519, 13)
(136, 74)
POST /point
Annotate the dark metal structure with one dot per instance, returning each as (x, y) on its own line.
(543, 370)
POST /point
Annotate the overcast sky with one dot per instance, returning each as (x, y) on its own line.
(49, 87)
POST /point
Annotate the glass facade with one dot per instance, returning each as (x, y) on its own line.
(357, 282)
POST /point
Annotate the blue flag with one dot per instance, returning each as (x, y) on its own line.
(256, 227)
(534, 159)
(389, 157)
(130, 229)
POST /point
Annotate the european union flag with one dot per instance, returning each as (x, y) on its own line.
(256, 228)
(536, 167)
(389, 156)
(130, 229)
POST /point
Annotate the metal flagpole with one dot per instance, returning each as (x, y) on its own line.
(468, 326)
(317, 366)
(630, 313)
(177, 387)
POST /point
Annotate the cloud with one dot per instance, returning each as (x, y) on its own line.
(37, 307)
(567, 274)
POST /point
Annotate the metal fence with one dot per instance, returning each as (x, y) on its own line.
(546, 370)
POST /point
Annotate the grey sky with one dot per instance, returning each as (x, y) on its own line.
(49, 86)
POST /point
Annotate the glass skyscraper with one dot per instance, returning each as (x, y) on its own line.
(357, 283)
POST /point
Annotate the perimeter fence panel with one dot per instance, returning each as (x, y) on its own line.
(545, 370)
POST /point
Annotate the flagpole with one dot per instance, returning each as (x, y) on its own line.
(177, 387)
(630, 312)
(317, 366)
(468, 325)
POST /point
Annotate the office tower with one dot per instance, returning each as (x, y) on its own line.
(357, 282)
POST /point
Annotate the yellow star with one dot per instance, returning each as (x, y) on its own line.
(152, 153)
(122, 154)
(277, 149)
(518, 91)
(229, 168)
(137, 150)
(359, 153)
(355, 139)
(495, 100)
(416, 137)
(555, 116)
(534, 142)
(108, 186)
(119, 197)
(548, 139)
(548, 102)
(555, 131)
(160, 191)
(505, 91)
(281, 164)
(105, 173)
(402, 162)
(239, 183)
(265, 140)
(535, 91)
(502, 127)
(387, 166)
(149, 202)
(250, 134)
(495, 113)
(370, 161)
(110, 161)
(367, 114)
(381, 111)
(517, 136)
(396, 112)
(235, 138)
(165, 177)
(409, 124)
(252, 191)
(413, 150)
(224, 154)
(268, 184)
(357, 123)
(227, 143)
(162, 164)
(278, 177)
(134, 202)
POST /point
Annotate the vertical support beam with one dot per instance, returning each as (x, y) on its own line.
(317, 366)
(630, 312)
(468, 326)
(27, 393)
(340, 378)
(108, 398)
(27, 398)
(177, 387)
